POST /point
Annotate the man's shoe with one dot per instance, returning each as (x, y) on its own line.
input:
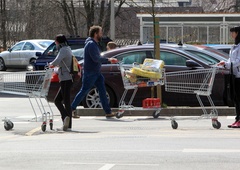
(74, 114)
(110, 114)
(236, 125)
(66, 123)
(230, 126)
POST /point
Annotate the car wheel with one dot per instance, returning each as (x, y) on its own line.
(32, 61)
(2, 65)
(92, 99)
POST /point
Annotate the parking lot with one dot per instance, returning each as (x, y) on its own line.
(97, 143)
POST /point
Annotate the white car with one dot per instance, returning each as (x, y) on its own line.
(22, 53)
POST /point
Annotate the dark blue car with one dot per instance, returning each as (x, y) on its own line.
(50, 53)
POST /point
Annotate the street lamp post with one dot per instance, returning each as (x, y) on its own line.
(112, 21)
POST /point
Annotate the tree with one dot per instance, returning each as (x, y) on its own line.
(95, 12)
(3, 22)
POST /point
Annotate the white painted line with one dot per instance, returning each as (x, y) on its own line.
(19, 122)
(211, 150)
(7, 137)
(85, 117)
(31, 132)
(230, 117)
(107, 167)
(75, 150)
(122, 164)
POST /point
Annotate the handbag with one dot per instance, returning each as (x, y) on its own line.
(230, 87)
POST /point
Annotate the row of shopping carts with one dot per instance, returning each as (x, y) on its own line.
(198, 82)
(35, 85)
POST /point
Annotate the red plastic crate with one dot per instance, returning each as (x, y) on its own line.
(151, 103)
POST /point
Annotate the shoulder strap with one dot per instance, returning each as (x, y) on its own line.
(66, 66)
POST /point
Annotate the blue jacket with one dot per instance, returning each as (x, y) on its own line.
(92, 58)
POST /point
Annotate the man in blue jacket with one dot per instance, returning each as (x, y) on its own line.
(92, 75)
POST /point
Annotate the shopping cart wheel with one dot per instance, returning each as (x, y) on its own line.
(8, 125)
(119, 115)
(43, 127)
(216, 124)
(156, 114)
(174, 124)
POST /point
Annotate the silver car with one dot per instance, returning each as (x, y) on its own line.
(22, 53)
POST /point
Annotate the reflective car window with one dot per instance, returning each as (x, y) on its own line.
(17, 47)
(225, 50)
(172, 58)
(51, 50)
(209, 59)
(132, 57)
(44, 44)
(28, 46)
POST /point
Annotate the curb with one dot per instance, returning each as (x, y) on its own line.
(170, 111)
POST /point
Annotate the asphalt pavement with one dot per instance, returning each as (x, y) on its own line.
(129, 143)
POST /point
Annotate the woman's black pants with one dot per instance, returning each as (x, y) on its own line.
(237, 98)
(62, 100)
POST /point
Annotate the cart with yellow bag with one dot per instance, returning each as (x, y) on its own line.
(150, 73)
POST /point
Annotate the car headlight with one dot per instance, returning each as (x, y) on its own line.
(30, 67)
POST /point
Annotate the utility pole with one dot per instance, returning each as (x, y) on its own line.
(156, 45)
(112, 21)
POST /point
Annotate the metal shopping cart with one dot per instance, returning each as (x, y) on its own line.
(35, 85)
(199, 82)
(133, 82)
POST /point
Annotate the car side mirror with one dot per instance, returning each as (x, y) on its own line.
(192, 64)
(9, 49)
(38, 54)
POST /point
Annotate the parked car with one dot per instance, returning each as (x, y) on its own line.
(22, 53)
(78, 53)
(176, 59)
(50, 53)
(207, 53)
(221, 47)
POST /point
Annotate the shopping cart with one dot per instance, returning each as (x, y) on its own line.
(199, 82)
(131, 83)
(35, 85)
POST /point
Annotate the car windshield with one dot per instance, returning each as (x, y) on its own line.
(218, 52)
(207, 58)
(44, 44)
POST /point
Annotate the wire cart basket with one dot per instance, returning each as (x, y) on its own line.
(138, 82)
(199, 82)
(35, 85)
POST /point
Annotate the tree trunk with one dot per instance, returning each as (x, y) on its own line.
(237, 7)
(3, 23)
(31, 23)
(89, 6)
(101, 13)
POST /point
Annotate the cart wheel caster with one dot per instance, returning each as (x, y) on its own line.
(174, 124)
(51, 126)
(8, 125)
(119, 115)
(216, 124)
(43, 127)
(156, 114)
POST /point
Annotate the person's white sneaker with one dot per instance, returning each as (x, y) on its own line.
(66, 123)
